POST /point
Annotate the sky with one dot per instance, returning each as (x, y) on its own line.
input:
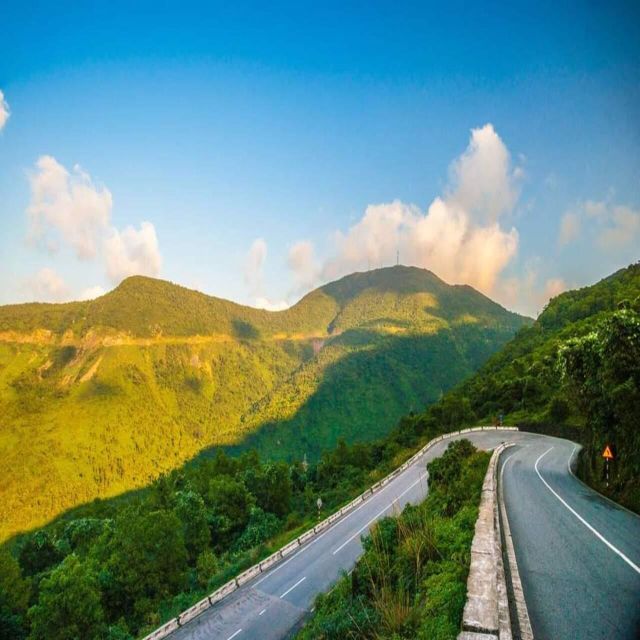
(254, 152)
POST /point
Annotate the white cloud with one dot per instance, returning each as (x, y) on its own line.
(482, 181)
(303, 265)
(132, 252)
(622, 229)
(4, 111)
(528, 292)
(612, 227)
(569, 228)
(459, 236)
(270, 305)
(254, 266)
(69, 204)
(90, 293)
(47, 286)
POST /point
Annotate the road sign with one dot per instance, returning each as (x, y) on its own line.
(607, 454)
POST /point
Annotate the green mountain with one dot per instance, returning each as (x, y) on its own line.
(102, 396)
(575, 372)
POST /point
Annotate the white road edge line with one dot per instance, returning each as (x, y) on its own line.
(290, 589)
(330, 528)
(613, 502)
(357, 533)
(233, 635)
(584, 522)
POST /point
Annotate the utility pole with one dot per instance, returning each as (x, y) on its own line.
(397, 257)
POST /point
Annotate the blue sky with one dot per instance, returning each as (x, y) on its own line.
(255, 152)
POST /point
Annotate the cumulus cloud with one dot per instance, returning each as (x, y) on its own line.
(4, 110)
(67, 207)
(303, 265)
(254, 267)
(68, 204)
(90, 293)
(569, 228)
(459, 236)
(132, 252)
(47, 286)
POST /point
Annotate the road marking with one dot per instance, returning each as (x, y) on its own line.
(262, 612)
(330, 528)
(575, 446)
(233, 635)
(290, 589)
(584, 522)
(357, 533)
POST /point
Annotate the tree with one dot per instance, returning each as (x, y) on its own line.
(206, 566)
(602, 372)
(14, 597)
(192, 512)
(272, 488)
(69, 604)
(38, 553)
(148, 559)
(231, 505)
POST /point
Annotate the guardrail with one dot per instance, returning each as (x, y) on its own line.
(486, 611)
(169, 627)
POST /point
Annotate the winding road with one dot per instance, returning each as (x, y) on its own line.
(578, 553)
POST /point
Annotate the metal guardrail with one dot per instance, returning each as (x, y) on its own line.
(175, 623)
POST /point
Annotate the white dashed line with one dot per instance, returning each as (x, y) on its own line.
(584, 522)
(262, 612)
(233, 635)
(290, 589)
(366, 526)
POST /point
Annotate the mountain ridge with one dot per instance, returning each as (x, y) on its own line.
(100, 397)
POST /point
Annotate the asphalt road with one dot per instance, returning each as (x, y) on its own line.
(270, 606)
(578, 553)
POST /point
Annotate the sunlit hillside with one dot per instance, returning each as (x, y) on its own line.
(99, 397)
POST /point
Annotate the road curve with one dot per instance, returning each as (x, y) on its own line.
(578, 553)
(270, 606)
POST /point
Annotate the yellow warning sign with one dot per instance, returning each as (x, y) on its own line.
(607, 454)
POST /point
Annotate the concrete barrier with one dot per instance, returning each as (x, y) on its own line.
(248, 575)
(194, 611)
(486, 611)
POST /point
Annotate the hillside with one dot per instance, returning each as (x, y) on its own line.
(100, 397)
(574, 372)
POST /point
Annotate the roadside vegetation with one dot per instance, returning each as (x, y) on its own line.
(116, 569)
(411, 580)
(574, 373)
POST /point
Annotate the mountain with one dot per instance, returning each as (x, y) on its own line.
(576, 373)
(102, 396)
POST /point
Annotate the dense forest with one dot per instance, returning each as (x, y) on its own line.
(115, 569)
(574, 373)
(101, 397)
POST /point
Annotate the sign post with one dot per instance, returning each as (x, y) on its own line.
(607, 454)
